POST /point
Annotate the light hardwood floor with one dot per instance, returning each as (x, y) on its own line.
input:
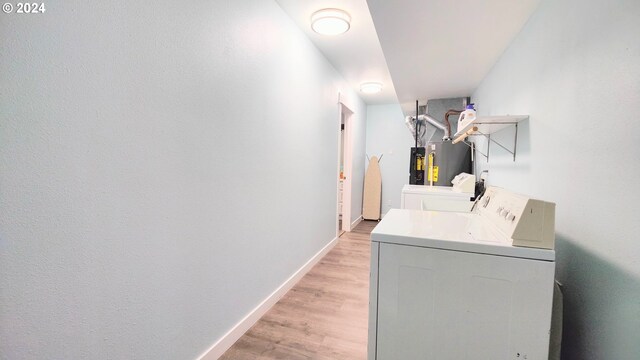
(324, 316)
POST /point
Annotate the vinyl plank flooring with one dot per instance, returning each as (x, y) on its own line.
(324, 316)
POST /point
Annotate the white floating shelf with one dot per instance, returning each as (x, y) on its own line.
(489, 124)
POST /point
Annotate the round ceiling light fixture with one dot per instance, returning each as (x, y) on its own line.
(330, 21)
(371, 87)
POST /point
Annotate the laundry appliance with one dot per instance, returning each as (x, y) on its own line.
(451, 285)
(443, 198)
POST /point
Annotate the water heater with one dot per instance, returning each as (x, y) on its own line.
(444, 160)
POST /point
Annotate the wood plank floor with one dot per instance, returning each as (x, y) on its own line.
(324, 316)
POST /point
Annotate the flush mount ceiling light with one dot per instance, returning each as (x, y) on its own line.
(330, 21)
(371, 87)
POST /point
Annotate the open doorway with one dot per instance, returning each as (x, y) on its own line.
(343, 221)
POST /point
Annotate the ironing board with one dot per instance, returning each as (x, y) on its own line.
(372, 191)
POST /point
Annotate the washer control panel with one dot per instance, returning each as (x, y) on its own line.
(526, 221)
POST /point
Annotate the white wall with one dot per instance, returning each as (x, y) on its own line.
(155, 178)
(387, 134)
(358, 129)
(575, 69)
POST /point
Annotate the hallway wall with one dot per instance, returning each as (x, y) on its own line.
(575, 69)
(388, 136)
(155, 180)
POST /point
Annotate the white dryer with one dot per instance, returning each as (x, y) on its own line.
(479, 285)
(441, 198)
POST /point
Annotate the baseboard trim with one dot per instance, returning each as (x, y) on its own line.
(227, 340)
(356, 222)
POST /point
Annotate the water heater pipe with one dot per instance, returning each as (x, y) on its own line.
(411, 124)
(449, 113)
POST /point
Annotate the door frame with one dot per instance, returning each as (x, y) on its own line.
(347, 155)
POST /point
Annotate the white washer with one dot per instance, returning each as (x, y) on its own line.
(440, 198)
(448, 285)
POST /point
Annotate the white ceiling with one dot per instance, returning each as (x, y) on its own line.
(356, 54)
(433, 48)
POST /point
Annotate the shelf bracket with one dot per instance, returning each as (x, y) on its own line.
(473, 149)
(488, 136)
(475, 131)
(490, 140)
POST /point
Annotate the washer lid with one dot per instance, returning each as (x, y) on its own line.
(450, 231)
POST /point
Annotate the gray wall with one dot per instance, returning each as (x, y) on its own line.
(575, 69)
(387, 134)
(155, 177)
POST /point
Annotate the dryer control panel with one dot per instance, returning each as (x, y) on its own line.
(527, 222)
